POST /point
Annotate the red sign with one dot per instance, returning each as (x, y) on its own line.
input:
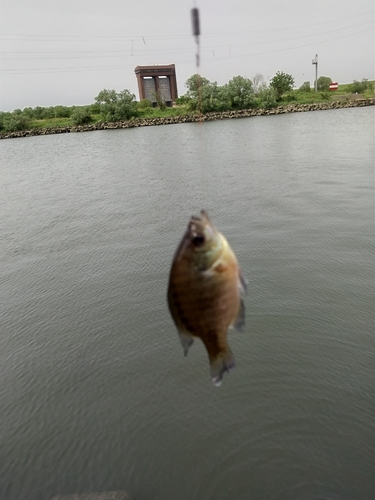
(333, 86)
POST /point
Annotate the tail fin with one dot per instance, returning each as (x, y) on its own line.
(222, 363)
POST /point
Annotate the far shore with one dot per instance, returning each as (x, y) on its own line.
(225, 115)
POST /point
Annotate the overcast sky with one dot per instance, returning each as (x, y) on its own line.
(66, 51)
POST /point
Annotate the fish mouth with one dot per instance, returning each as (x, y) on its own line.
(197, 232)
(201, 230)
(198, 224)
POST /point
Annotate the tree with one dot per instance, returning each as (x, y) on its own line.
(94, 108)
(144, 104)
(305, 87)
(281, 83)
(39, 113)
(3, 115)
(49, 112)
(267, 97)
(356, 87)
(159, 97)
(211, 98)
(15, 121)
(184, 99)
(194, 85)
(239, 92)
(359, 87)
(323, 83)
(80, 116)
(205, 96)
(28, 112)
(62, 111)
(116, 106)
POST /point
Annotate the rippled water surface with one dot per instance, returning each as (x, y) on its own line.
(95, 393)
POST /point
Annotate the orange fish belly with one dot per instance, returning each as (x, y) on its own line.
(204, 304)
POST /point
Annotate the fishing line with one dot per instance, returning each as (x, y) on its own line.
(196, 33)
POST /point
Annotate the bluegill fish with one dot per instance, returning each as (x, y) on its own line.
(204, 293)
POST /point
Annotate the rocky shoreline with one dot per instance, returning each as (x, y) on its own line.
(224, 115)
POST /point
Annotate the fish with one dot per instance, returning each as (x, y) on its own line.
(204, 293)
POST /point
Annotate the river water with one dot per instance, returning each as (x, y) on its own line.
(95, 393)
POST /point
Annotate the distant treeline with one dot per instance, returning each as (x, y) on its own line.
(201, 96)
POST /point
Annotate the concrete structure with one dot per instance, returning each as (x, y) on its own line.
(157, 79)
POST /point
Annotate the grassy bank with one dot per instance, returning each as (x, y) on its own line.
(294, 97)
(43, 118)
(22, 121)
(192, 117)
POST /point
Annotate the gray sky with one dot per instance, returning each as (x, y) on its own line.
(66, 51)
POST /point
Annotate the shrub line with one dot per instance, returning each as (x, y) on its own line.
(222, 115)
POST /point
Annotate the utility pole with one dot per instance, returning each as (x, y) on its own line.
(315, 61)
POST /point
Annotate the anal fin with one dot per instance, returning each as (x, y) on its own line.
(186, 340)
(243, 283)
(239, 322)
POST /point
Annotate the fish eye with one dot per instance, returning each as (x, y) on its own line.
(198, 239)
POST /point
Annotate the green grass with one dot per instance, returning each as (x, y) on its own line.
(298, 97)
(293, 97)
(144, 113)
(57, 122)
(50, 123)
(163, 113)
(346, 88)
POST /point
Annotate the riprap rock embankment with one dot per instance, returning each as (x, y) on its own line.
(223, 115)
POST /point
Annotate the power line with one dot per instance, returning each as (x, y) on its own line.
(288, 28)
(90, 38)
(19, 71)
(299, 46)
(165, 51)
